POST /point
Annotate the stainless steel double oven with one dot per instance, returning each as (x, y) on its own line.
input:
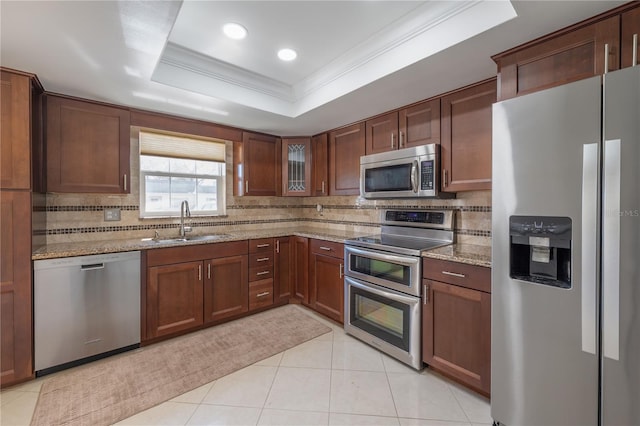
(382, 281)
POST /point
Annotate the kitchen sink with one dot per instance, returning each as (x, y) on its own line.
(209, 237)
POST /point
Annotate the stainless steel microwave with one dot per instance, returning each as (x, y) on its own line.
(404, 173)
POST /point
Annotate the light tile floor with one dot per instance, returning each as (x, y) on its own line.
(331, 380)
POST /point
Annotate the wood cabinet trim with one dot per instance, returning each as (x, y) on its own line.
(159, 121)
(169, 255)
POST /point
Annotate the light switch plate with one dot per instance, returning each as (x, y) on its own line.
(111, 215)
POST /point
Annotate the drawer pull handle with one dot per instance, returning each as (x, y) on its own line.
(264, 293)
(325, 248)
(263, 245)
(454, 274)
(263, 273)
(262, 259)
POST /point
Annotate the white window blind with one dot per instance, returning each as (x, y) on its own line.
(164, 145)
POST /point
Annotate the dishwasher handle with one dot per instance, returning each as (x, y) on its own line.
(92, 267)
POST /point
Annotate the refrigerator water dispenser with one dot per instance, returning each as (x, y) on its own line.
(541, 250)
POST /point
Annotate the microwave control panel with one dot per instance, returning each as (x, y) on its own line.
(427, 175)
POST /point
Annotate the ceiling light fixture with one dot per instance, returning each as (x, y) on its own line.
(287, 54)
(234, 31)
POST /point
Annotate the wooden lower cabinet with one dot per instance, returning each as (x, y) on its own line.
(301, 269)
(174, 298)
(326, 279)
(283, 270)
(226, 288)
(16, 360)
(456, 323)
(260, 294)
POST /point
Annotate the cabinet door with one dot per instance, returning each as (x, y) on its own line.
(420, 124)
(320, 170)
(257, 165)
(301, 269)
(226, 288)
(457, 333)
(327, 286)
(283, 274)
(174, 298)
(559, 59)
(382, 133)
(15, 287)
(466, 138)
(87, 147)
(346, 146)
(15, 155)
(630, 27)
(296, 167)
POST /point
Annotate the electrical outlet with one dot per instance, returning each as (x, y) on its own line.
(111, 215)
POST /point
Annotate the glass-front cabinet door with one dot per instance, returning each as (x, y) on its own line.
(296, 167)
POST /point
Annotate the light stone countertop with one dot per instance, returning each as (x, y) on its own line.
(471, 254)
(463, 253)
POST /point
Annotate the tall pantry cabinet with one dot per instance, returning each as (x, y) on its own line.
(21, 145)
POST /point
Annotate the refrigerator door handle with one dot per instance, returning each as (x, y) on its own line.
(589, 246)
(611, 250)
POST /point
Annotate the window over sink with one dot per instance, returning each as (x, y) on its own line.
(176, 168)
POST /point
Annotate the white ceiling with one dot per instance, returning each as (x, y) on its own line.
(355, 58)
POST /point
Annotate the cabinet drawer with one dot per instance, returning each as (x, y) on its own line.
(260, 260)
(260, 245)
(469, 276)
(260, 273)
(327, 248)
(260, 294)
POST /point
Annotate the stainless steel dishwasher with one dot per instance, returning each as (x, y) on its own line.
(85, 308)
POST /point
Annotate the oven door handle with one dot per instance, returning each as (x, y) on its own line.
(376, 255)
(389, 294)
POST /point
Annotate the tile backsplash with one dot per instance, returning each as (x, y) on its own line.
(80, 217)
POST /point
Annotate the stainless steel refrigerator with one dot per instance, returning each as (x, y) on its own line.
(565, 346)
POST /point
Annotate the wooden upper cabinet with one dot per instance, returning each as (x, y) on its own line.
(257, 165)
(296, 167)
(630, 26)
(15, 94)
(346, 146)
(570, 55)
(419, 124)
(382, 133)
(87, 146)
(320, 169)
(466, 138)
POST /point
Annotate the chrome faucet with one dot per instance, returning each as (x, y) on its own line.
(184, 209)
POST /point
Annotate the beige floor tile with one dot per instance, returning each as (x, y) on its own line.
(339, 419)
(361, 392)
(292, 418)
(195, 396)
(476, 407)
(424, 422)
(18, 408)
(352, 354)
(305, 389)
(248, 387)
(424, 396)
(392, 365)
(222, 415)
(311, 354)
(168, 413)
(30, 386)
(272, 361)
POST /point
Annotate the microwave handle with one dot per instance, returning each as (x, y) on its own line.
(414, 176)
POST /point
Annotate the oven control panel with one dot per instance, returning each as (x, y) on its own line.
(421, 218)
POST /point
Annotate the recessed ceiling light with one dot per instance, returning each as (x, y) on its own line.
(234, 31)
(287, 54)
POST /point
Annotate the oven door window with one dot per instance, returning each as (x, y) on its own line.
(381, 269)
(381, 317)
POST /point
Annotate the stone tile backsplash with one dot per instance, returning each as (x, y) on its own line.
(80, 217)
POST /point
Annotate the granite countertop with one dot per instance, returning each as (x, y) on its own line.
(52, 251)
(464, 253)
